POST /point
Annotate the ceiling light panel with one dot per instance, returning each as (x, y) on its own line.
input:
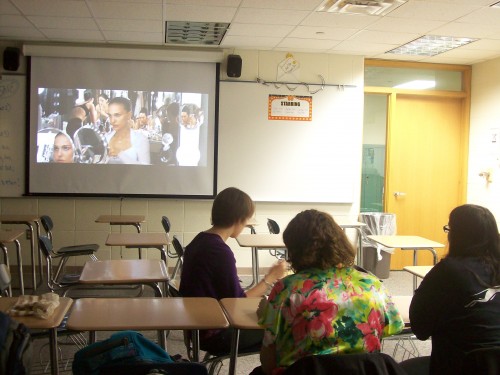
(371, 7)
(431, 45)
(199, 33)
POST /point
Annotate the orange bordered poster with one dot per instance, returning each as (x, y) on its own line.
(290, 107)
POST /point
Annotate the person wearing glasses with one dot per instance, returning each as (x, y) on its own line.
(458, 301)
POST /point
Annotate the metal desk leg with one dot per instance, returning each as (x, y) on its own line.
(34, 245)
(360, 247)
(195, 339)
(6, 260)
(234, 351)
(54, 363)
(138, 227)
(20, 265)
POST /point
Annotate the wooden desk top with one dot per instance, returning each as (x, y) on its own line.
(122, 271)
(121, 219)
(403, 305)
(37, 323)
(9, 236)
(419, 271)
(19, 219)
(405, 242)
(263, 240)
(241, 312)
(345, 222)
(138, 239)
(102, 314)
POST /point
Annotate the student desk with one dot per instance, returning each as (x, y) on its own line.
(114, 314)
(414, 243)
(356, 225)
(418, 271)
(49, 324)
(134, 220)
(140, 240)
(259, 241)
(7, 237)
(125, 272)
(28, 220)
(242, 314)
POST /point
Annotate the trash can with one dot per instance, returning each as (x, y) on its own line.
(377, 258)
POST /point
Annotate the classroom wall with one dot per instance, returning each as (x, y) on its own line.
(74, 217)
(484, 153)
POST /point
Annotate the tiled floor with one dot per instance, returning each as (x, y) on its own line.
(399, 283)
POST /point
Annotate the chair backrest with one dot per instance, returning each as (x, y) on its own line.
(346, 364)
(482, 361)
(47, 225)
(166, 224)
(273, 226)
(178, 247)
(4, 279)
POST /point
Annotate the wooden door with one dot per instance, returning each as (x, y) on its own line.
(425, 167)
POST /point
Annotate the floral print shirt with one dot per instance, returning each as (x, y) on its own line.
(334, 311)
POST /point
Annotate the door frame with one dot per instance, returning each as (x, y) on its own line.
(392, 94)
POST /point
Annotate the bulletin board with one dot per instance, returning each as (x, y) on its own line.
(12, 135)
(290, 161)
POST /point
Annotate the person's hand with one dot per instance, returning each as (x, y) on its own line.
(277, 271)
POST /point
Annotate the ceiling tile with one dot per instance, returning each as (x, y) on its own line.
(339, 20)
(282, 4)
(14, 21)
(404, 25)
(132, 11)
(270, 16)
(7, 8)
(198, 13)
(312, 44)
(55, 8)
(322, 32)
(428, 10)
(461, 30)
(74, 34)
(19, 33)
(370, 48)
(383, 37)
(485, 16)
(248, 41)
(63, 23)
(212, 3)
(248, 29)
(130, 25)
(120, 36)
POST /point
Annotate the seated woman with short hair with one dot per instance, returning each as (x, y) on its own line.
(327, 306)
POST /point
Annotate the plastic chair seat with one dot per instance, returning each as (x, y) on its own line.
(83, 249)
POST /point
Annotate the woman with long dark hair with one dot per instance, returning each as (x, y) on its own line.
(458, 302)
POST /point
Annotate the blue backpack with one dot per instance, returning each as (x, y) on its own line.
(15, 347)
(125, 347)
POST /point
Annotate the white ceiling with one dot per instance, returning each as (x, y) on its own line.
(278, 25)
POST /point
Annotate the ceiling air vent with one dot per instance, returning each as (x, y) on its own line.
(199, 33)
(372, 7)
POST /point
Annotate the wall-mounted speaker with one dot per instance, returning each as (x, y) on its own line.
(234, 66)
(11, 58)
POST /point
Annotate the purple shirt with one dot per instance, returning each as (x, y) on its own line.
(209, 269)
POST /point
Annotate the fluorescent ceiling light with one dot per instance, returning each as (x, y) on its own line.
(373, 7)
(199, 33)
(418, 84)
(431, 45)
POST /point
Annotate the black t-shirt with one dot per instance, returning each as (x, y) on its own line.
(460, 313)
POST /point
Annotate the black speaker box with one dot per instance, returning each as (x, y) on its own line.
(11, 58)
(234, 66)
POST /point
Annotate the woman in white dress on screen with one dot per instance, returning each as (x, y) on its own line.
(125, 145)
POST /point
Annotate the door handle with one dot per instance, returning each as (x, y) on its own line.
(398, 194)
